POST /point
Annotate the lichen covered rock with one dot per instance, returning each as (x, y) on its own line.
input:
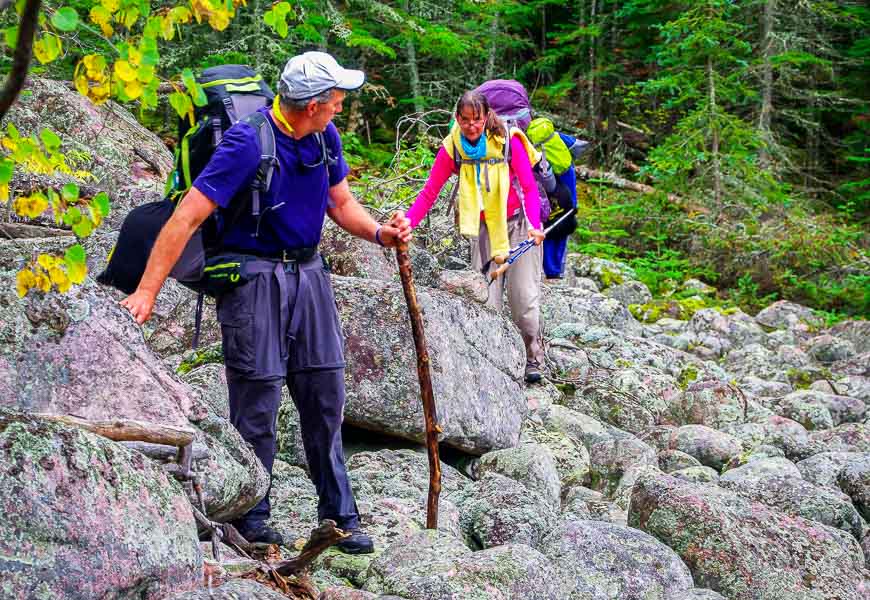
(604, 561)
(743, 549)
(83, 518)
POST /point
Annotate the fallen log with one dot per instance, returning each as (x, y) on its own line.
(124, 430)
(163, 452)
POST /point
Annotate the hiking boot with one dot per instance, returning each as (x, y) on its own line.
(357, 543)
(260, 533)
(533, 372)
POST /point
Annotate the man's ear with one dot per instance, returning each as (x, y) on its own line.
(311, 108)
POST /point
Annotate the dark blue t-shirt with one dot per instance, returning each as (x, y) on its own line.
(292, 212)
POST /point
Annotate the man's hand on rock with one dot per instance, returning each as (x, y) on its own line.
(140, 304)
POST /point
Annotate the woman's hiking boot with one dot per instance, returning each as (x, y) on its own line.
(533, 371)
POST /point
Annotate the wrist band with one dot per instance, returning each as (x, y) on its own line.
(378, 236)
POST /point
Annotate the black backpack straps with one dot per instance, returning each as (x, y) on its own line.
(263, 177)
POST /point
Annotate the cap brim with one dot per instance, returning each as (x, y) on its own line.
(350, 80)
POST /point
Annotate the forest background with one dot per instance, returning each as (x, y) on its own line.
(749, 117)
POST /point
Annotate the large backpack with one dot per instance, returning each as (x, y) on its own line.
(234, 93)
(510, 101)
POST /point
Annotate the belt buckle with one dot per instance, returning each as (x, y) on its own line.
(286, 258)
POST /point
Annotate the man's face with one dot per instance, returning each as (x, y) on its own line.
(322, 114)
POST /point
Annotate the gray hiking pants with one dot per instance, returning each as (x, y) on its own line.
(522, 282)
(282, 327)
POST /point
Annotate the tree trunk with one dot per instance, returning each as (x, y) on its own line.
(764, 116)
(714, 148)
(21, 57)
(413, 73)
(593, 108)
(493, 47)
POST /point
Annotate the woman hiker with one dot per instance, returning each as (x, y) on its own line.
(491, 210)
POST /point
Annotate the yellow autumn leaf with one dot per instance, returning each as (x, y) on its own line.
(47, 261)
(4, 193)
(77, 271)
(111, 5)
(24, 280)
(124, 71)
(95, 64)
(134, 56)
(133, 89)
(201, 9)
(219, 20)
(81, 81)
(30, 206)
(43, 283)
(59, 278)
(167, 27)
(99, 93)
(47, 48)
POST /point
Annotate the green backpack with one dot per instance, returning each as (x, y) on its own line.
(543, 135)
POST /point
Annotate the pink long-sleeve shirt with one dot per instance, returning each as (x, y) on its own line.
(520, 169)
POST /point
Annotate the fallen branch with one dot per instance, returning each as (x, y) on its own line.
(163, 452)
(322, 537)
(121, 430)
(614, 180)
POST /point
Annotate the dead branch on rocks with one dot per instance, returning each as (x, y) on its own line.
(128, 430)
(322, 537)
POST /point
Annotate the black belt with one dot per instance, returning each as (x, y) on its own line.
(288, 255)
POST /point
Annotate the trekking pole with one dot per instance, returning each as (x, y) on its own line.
(524, 247)
(429, 415)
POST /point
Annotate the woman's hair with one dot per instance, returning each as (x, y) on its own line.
(479, 105)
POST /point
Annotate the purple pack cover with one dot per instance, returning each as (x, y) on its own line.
(509, 100)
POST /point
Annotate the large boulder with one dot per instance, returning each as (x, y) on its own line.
(743, 549)
(72, 353)
(824, 468)
(854, 479)
(795, 496)
(584, 309)
(717, 332)
(83, 517)
(603, 561)
(476, 361)
(532, 465)
(497, 510)
(788, 315)
(429, 565)
(711, 447)
(857, 332)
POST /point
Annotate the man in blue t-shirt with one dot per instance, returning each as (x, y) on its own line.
(282, 325)
(556, 247)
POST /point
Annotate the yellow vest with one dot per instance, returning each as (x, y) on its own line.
(492, 193)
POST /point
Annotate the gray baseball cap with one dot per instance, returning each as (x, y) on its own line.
(307, 75)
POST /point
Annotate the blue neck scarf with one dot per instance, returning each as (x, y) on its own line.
(476, 151)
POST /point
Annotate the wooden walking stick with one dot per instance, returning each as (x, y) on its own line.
(429, 415)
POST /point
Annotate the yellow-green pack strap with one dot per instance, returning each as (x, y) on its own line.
(217, 82)
(185, 155)
(247, 87)
(222, 266)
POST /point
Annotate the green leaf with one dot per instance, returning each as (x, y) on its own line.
(70, 193)
(180, 102)
(188, 79)
(50, 140)
(6, 168)
(75, 255)
(65, 19)
(198, 95)
(83, 228)
(101, 201)
(72, 216)
(10, 34)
